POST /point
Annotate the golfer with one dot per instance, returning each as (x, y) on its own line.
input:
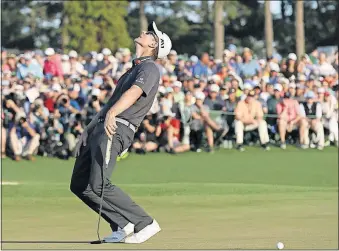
(119, 120)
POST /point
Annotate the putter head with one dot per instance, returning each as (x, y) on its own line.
(97, 242)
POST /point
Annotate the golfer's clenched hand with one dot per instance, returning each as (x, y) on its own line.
(110, 124)
(82, 141)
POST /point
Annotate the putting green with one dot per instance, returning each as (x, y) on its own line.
(225, 200)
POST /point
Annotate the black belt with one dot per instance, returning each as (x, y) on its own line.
(122, 121)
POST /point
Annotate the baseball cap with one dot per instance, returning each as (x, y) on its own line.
(194, 59)
(49, 52)
(177, 84)
(309, 95)
(56, 87)
(126, 52)
(173, 52)
(278, 87)
(106, 52)
(162, 89)
(247, 86)
(292, 56)
(95, 92)
(27, 56)
(200, 95)
(214, 88)
(99, 57)
(164, 44)
(300, 86)
(274, 67)
(73, 54)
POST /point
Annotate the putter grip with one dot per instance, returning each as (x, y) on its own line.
(108, 151)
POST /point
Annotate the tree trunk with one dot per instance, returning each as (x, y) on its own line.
(299, 28)
(64, 33)
(142, 16)
(282, 10)
(268, 29)
(219, 33)
(205, 11)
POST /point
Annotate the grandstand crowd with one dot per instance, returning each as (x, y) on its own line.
(203, 103)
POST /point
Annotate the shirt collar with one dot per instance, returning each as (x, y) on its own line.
(141, 59)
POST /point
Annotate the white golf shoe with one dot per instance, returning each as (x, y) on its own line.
(144, 234)
(121, 234)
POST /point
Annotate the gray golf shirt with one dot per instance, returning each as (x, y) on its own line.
(144, 74)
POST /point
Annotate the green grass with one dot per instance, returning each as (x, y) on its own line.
(225, 200)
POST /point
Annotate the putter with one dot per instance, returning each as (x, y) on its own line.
(107, 159)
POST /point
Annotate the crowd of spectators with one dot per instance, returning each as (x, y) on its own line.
(49, 97)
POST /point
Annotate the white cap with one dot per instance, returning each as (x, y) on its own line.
(214, 88)
(200, 95)
(73, 54)
(162, 89)
(65, 57)
(112, 59)
(194, 58)
(321, 90)
(177, 84)
(216, 78)
(173, 52)
(292, 56)
(76, 87)
(106, 52)
(248, 86)
(49, 52)
(262, 61)
(284, 81)
(165, 43)
(277, 87)
(126, 52)
(274, 67)
(95, 92)
(100, 57)
(56, 87)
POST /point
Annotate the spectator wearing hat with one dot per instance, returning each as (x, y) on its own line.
(329, 119)
(10, 63)
(291, 67)
(178, 95)
(288, 117)
(201, 118)
(311, 114)
(274, 71)
(325, 68)
(28, 67)
(24, 140)
(76, 68)
(214, 101)
(51, 67)
(249, 67)
(248, 117)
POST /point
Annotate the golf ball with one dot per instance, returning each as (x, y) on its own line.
(280, 245)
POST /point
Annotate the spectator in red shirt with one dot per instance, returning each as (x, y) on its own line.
(289, 118)
(168, 131)
(52, 66)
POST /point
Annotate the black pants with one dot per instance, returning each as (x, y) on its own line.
(118, 209)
